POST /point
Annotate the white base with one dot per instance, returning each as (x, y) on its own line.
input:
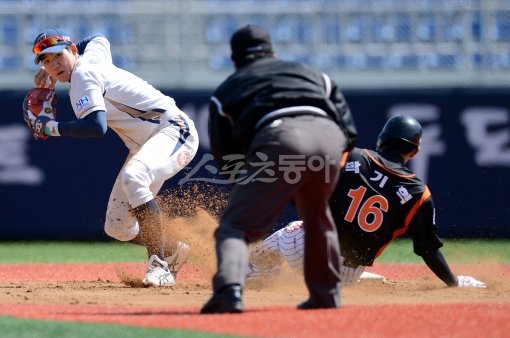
(372, 276)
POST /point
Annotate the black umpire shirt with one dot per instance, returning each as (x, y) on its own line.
(246, 99)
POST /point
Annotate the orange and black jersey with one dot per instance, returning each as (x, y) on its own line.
(377, 200)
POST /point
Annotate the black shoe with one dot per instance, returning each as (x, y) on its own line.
(226, 300)
(311, 305)
(307, 305)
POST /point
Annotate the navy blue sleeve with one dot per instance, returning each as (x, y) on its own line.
(92, 125)
(83, 43)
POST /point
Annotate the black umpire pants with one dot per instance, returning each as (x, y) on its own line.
(301, 157)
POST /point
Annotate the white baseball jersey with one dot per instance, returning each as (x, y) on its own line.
(161, 138)
(288, 244)
(133, 107)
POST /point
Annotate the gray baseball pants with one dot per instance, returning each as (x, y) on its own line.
(315, 146)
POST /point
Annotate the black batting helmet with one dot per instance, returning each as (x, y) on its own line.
(402, 131)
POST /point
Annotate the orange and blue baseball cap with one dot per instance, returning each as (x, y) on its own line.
(51, 40)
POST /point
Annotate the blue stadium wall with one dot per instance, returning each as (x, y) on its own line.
(58, 189)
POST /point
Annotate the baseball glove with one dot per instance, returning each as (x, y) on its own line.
(39, 107)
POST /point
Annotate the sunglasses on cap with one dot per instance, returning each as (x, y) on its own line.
(50, 42)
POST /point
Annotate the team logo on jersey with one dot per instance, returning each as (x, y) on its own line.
(83, 102)
(183, 158)
(404, 195)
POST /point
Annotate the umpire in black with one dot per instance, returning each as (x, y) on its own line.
(292, 125)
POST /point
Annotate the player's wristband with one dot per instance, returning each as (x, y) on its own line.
(51, 128)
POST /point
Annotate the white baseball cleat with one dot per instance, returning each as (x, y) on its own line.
(258, 274)
(178, 258)
(158, 273)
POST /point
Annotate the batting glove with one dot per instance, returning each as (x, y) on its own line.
(469, 282)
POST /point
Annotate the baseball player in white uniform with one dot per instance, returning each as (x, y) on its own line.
(161, 139)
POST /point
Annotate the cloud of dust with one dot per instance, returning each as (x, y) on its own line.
(190, 214)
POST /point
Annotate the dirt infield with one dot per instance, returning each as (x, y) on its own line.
(412, 302)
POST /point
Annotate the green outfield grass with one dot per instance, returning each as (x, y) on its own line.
(399, 251)
(70, 252)
(460, 251)
(25, 328)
